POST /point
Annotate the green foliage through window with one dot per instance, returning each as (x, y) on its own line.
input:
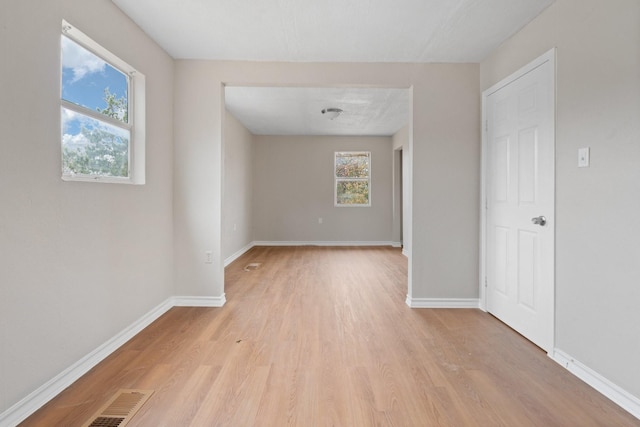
(352, 178)
(97, 149)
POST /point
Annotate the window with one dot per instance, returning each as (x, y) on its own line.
(102, 113)
(352, 178)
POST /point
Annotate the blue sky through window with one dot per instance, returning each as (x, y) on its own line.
(90, 145)
(85, 77)
(89, 90)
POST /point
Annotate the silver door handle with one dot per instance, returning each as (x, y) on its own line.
(539, 220)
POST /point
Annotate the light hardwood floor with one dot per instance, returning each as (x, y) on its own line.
(322, 337)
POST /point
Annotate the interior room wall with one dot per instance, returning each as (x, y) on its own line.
(597, 227)
(237, 216)
(79, 261)
(294, 187)
(444, 160)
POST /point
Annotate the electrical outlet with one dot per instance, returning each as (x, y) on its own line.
(319, 220)
(208, 257)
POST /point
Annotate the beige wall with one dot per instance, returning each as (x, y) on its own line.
(79, 262)
(444, 147)
(597, 227)
(276, 188)
(293, 182)
(237, 203)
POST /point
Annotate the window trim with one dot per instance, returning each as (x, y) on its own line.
(336, 179)
(135, 104)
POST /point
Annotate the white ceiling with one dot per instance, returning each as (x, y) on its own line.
(297, 111)
(329, 31)
(332, 30)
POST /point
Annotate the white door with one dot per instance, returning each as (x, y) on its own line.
(520, 193)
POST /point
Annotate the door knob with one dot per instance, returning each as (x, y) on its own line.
(539, 220)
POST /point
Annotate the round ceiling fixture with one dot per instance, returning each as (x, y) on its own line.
(332, 113)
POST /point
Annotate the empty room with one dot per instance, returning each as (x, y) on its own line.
(408, 213)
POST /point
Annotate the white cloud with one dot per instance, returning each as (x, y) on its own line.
(80, 60)
(74, 142)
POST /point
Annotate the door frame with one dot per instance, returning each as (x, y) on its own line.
(550, 57)
(397, 238)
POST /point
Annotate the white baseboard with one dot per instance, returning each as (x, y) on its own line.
(616, 394)
(238, 254)
(34, 401)
(443, 302)
(321, 243)
(199, 301)
(242, 251)
(405, 252)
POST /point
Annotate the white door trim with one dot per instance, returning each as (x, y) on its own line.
(549, 56)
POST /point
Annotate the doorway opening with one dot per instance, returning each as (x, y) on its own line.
(278, 171)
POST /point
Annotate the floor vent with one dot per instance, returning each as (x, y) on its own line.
(120, 409)
(252, 266)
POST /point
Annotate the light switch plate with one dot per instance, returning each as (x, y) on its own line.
(583, 157)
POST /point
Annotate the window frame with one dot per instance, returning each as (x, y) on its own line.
(337, 179)
(135, 105)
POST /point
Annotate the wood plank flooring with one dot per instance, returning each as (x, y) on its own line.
(322, 337)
